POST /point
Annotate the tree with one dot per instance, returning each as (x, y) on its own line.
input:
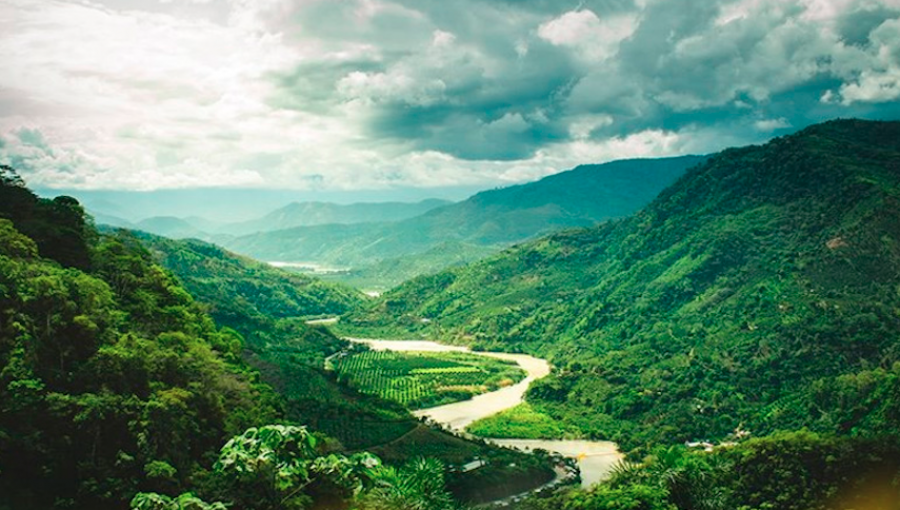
(277, 467)
(417, 485)
(187, 501)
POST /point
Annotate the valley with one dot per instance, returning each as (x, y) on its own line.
(595, 459)
(738, 328)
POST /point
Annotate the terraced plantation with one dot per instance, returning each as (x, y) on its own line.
(425, 379)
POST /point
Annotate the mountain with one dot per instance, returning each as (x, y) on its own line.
(578, 197)
(758, 292)
(304, 214)
(170, 226)
(391, 272)
(108, 219)
(295, 214)
(241, 292)
(234, 205)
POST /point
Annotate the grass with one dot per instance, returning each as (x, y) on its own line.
(520, 422)
(425, 379)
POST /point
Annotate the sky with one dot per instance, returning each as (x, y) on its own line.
(369, 94)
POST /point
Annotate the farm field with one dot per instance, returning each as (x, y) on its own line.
(425, 379)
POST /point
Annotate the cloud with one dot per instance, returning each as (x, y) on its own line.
(880, 81)
(594, 38)
(771, 124)
(318, 94)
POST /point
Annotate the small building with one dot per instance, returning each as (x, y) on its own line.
(472, 466)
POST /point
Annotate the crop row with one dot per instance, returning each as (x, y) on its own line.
(424, 379)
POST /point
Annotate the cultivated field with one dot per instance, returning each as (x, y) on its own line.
(425, 379)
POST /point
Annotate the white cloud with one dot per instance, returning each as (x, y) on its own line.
(594, 38)
(375, 93)
(879, 81)
(771, 124)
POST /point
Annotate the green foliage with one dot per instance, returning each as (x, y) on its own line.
(277, 467)
(186, 501)
(59, 226)
(785, 471)
(521, 422)
(112, 380)
(425, 379)
(759, 291)
(262, 303)
(417, 485)
(808, 471)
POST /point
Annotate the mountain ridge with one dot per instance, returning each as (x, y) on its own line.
(664, 324)
(577, 197)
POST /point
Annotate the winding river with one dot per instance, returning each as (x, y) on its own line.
(595, 458)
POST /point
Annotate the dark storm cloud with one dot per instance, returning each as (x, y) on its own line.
(502, 88)
(855, 27)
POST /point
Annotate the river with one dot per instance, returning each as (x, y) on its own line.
(595, 458)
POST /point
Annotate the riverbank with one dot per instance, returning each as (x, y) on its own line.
(595, 459)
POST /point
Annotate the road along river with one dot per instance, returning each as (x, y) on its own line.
(595, 458)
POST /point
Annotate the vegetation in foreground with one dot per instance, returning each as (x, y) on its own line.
(112, 379)
(425, 379)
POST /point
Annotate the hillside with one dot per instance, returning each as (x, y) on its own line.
(391, 272)
(117, 387)
(268, 307)
(237, 287)
(495, 218)
(112, 379)
(757, 292)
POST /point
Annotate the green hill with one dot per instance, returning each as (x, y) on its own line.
(112, 379)
(496, 218)
(759, 291)
(237, 287)
(391, 272)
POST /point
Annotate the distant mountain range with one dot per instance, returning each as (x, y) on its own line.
(306, 214)
(295, 214)
(496, 218)
(235, 205)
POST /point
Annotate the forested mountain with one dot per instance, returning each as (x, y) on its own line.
(238, 288)
(112, 379)
(579, 197)
(295, 214)
(759, 292)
